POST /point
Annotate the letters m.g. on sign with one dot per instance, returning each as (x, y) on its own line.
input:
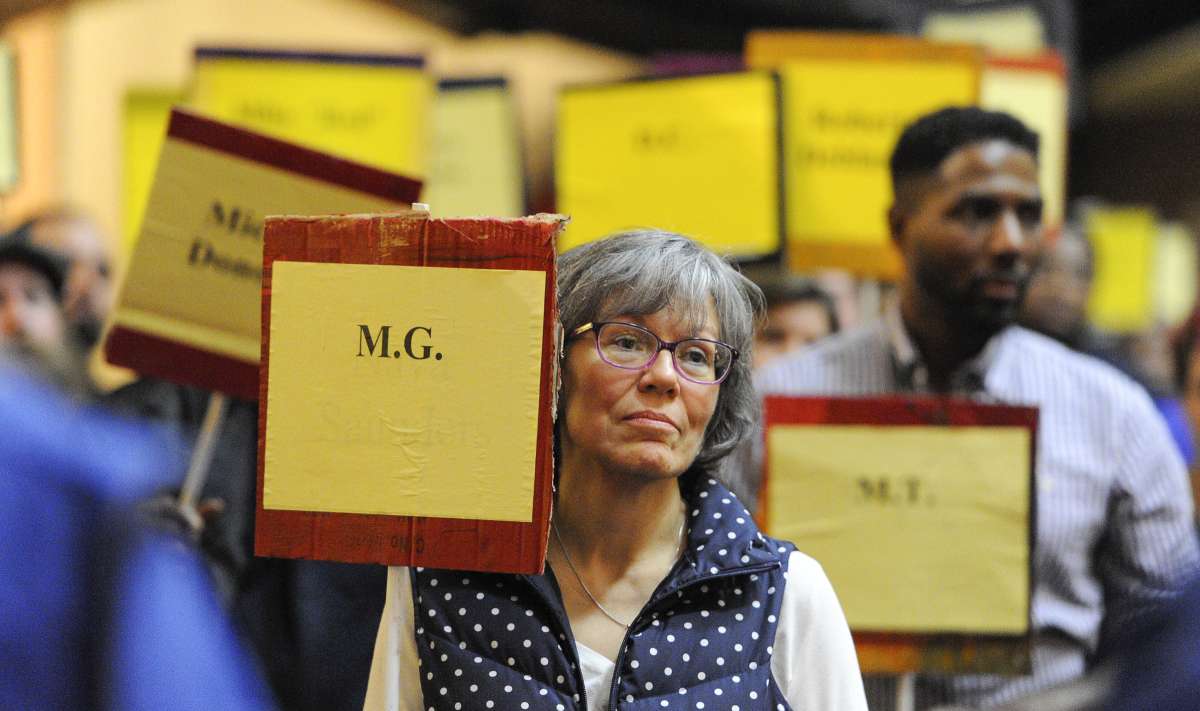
(407, 369)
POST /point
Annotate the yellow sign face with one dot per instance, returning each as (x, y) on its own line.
(10, 170)
(475, 161)
(1175, 268)
(145, 129)
(1038, 97)
(696, 155)
(1123, 239)
(372, 113)
(920, 529)
(195, 276)
(845, 102)
(407, 391)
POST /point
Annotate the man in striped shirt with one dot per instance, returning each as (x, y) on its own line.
(1114, 513)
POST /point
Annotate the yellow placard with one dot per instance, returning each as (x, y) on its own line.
(1123, 239)
(696, 155)
(920, 529)
(1175, 268)
(373, 110)
(9, 136)
(1015, 29)
(195, 275)
(1036, 93)
(846, 98)
(144, 130)
(407, 391)
(475, 158)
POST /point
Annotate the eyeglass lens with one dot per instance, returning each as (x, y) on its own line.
(628, 346)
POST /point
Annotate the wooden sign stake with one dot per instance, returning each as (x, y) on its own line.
(202, 455)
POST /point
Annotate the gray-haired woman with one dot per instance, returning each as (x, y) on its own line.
(659, 591)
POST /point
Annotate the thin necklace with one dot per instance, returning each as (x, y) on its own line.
(579, 578)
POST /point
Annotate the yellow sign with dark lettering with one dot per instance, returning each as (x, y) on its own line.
(846, 98)
(195, 274)
(696, 155)
(371, 109)
(920, 529)
(400, 384)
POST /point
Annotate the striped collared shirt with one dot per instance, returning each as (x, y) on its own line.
(1114, 514)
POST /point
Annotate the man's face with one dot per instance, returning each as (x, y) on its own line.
(31, 320)
(969, 233)
(88, 292)
(790, 326)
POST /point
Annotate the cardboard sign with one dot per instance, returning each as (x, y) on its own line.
(189, 310)
(475, 160)
(696, 155)
(1123, 239)
(1175, 269)
(10, 163)
(1035, 91)
(144, 128)
(920, 510)
(406, 412)
(846, 97)
(369, 108)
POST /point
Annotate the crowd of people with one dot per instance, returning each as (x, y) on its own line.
(659, 589)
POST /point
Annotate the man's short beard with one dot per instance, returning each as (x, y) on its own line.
(970, 314)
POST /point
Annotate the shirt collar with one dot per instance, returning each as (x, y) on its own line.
(911, 372)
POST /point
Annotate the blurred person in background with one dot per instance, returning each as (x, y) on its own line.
(33, 329)
(1056, 304)
(843, 289)
(101, 608)
(1114, 535)
(798, 313)
(88, 290)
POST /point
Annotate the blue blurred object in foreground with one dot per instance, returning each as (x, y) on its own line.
(97, 609)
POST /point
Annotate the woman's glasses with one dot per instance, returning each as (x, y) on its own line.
(632, 347)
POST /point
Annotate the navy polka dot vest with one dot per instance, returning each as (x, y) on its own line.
(703, 641)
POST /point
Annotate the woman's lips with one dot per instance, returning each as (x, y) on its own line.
(654, 420)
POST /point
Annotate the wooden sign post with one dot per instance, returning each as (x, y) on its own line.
(407, 389)
(921, 512)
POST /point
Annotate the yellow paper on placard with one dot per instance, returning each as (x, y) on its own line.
(1017, 29)
(195, 275)
(1038, 97)
(845, 102)
(475, 158)
(920, 529)
(1123, 240)
(406, 391)
(696, 155)
(1175, 268)
(143, 132)
(371, 112)
(9, 137)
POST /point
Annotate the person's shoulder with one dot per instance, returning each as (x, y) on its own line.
(845, 359)
(1069, 371)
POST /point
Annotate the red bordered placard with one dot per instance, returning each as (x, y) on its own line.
(894, 653)
(414, 239)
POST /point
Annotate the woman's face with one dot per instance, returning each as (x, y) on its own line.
(648, 423)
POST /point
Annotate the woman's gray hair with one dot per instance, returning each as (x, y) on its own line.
(640, 272)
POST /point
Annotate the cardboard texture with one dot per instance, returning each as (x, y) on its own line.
(370, 108)
(930, 498)
(846, 97)
(475, 163)
(189, 309)
(696, 155)
(451, 458)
